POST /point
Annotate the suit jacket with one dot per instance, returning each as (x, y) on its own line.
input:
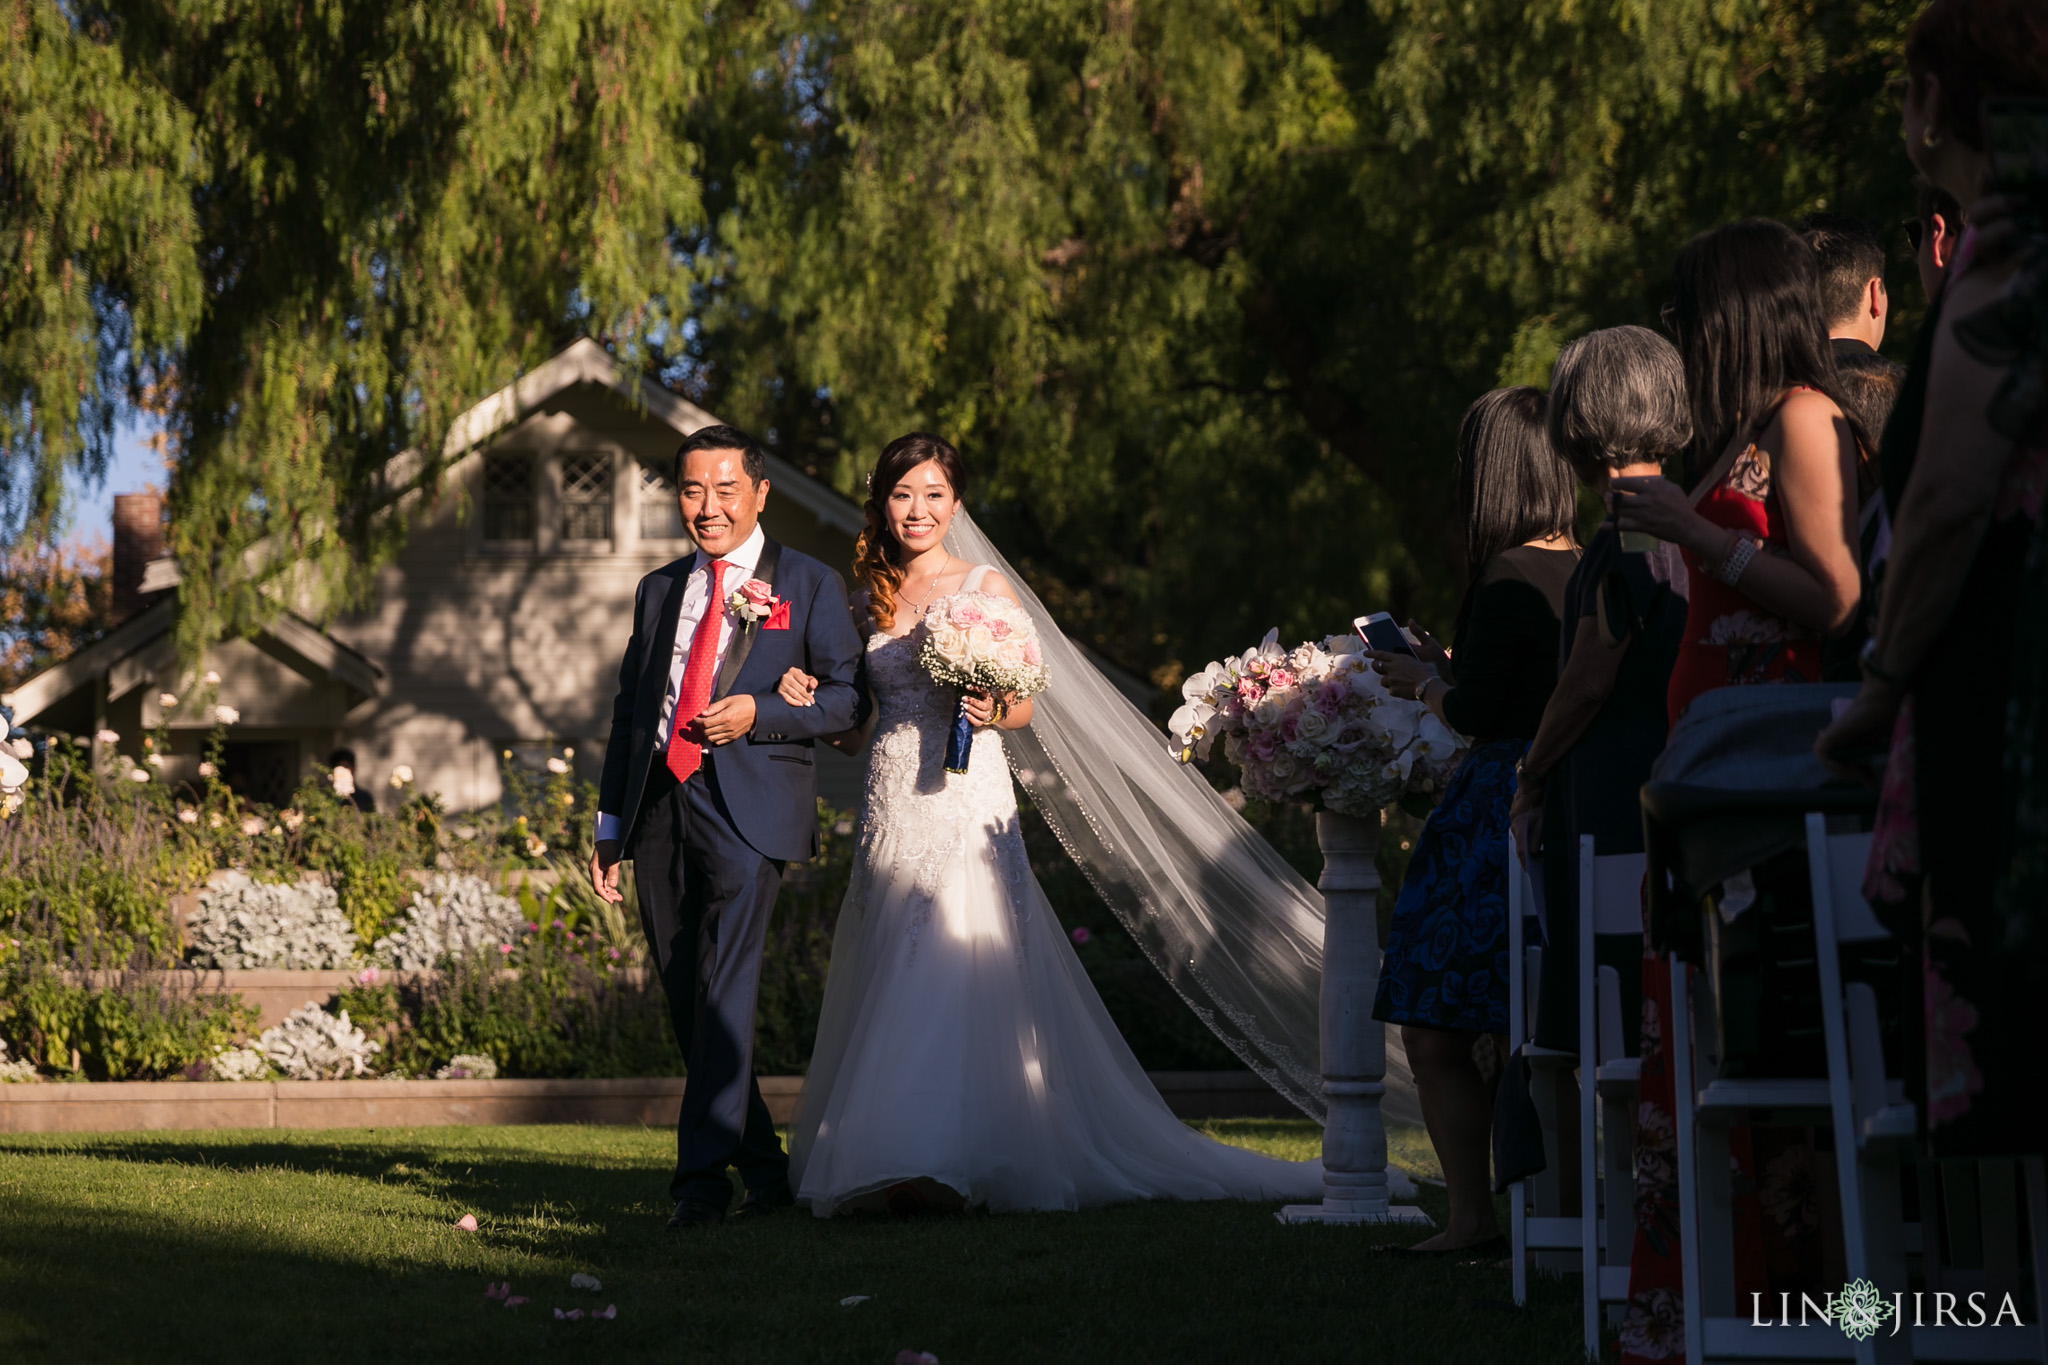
(767, 777)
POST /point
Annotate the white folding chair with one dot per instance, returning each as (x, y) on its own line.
(1873, 1126)
(1539, 1230)
(1610, 903)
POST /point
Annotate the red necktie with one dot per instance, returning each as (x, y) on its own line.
(686, 755)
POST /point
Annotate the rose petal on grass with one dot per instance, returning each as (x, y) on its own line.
(853, 1299)
(514, 1300)
(467, 1222)
(906, 1356)
(573, 1315)
(588, 1283)
(497, 1291)
(611, 1310)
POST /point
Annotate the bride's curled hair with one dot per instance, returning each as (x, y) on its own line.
(877, 556)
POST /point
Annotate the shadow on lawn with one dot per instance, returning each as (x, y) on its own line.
(340, 1248)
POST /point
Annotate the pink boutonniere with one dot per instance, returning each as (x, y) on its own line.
(755, 603)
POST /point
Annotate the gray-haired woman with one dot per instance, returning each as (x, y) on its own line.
(1617, 410)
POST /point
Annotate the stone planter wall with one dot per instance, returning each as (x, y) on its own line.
(114, 1106)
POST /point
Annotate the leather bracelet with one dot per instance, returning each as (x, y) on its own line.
(1730, 569)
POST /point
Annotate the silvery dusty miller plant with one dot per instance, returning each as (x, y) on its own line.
(468, 1066)
(237, 1064)
(19, 1069)
(313, 1045)
(451, 915)
(242, 923)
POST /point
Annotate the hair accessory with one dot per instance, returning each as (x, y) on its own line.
(1738, 559)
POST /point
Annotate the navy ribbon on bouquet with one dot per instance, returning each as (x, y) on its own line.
(960, 741)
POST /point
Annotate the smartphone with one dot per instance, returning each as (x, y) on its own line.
(1632, 542)
(1379, 632)
(2016, 136)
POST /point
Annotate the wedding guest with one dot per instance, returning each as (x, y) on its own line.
(1617, 410)
(1440, 978)
(1853, 295)
(1851, 281)
(1768, 534)
(1965, 484)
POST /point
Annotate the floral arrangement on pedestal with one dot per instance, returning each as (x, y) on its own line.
(1315, 723)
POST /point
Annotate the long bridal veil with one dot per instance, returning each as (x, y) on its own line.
(1231, 926)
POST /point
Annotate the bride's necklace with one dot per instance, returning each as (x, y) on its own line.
(933, 586)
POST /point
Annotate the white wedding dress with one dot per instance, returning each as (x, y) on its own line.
(961, 1044)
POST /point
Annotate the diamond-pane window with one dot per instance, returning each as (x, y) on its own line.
(508, 497)
(586, 497)
(660, 517)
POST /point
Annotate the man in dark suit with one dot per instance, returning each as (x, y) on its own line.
(709, 787)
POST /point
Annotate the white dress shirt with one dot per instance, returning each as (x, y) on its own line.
(696, 600)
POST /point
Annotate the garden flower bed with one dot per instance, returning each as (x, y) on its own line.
(203, 947)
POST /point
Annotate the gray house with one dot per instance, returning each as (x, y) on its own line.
(496, 633)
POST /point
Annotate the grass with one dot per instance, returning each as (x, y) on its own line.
(341, 1246)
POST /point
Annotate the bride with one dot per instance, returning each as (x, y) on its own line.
(963, 1057)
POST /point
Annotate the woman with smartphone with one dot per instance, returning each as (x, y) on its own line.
(1954, 670)
(1443, 976)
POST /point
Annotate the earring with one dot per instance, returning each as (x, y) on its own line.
(1929, 138)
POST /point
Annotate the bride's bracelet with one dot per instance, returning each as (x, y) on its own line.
(1002, 709)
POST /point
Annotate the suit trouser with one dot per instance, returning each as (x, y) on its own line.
(705, 899)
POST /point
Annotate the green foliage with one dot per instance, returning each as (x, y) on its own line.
(1192, 280)
(112, 1026)
(1187, 279)
(92, 859)
(321, 229)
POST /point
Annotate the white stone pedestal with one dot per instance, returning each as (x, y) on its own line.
(1354, 1043)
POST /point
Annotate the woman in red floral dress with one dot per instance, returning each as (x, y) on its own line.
(1768, 536)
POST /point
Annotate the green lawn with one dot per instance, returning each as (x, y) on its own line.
(341, 1246)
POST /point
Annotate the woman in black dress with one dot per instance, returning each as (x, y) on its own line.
(1444, 975)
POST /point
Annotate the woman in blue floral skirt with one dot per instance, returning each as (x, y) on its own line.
(1444, 976)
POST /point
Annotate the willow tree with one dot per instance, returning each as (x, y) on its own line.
(316, 230)
(1201, 286)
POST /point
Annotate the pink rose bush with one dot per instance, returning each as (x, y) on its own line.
(975, 640)
(1314, 723)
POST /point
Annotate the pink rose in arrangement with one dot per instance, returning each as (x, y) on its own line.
(1279, 678)
(1032, 658)
(1249, 692)
(968, 613)
(999, 628)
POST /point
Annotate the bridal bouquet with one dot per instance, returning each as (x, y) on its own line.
(1315, 721)
(978, 642)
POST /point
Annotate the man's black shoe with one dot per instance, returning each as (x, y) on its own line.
(695, 1213)
(761, 1203)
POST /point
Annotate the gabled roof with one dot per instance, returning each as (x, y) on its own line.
(583, 361)
(137, 648)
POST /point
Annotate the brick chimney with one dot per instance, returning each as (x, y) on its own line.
(138, 538)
